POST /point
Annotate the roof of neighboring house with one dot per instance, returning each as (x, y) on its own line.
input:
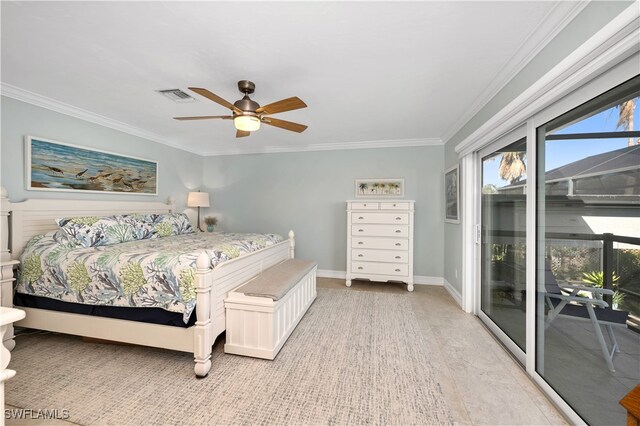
(599, 164)
(623, 158)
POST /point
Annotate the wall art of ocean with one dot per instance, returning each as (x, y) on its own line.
(59, 166)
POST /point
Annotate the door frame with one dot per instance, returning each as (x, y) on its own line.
(621, 71)
(514, 135)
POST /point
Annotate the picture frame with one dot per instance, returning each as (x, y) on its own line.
(58, 166)
(379, 188)
(452, 195)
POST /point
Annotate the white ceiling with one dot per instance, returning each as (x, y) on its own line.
(372, 74)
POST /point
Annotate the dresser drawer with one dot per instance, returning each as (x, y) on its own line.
(394, 206)
(398, 269)
(380, 230)
(379, 243)
(376, 217)
(365, 206)
(390, 256)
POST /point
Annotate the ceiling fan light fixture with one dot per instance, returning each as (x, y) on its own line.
(247, 123)
(248, 114)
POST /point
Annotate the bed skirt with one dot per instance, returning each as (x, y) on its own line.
(148, 315)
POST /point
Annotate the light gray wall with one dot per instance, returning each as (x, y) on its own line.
(452, 247)
(272, 192)
(594, 16)
(307, 192)
(590, 20)
(178, 171)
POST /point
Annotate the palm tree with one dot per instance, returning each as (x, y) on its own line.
(512, 166)
(363, 187)
(625, 121)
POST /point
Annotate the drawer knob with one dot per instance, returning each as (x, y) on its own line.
(361, 217)
(398, 244)
(398, 231)
(397, 270)
(394, 205)
(365, 204)
(398, 218)
(361, 255)
(360, 230)
(359, 267)
(398, 257)
(360, 242)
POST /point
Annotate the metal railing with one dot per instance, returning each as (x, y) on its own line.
(608, 256)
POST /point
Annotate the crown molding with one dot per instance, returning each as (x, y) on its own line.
(550, 26)
(23, 95)
(610, 45)
(339, 146)
(26, 96)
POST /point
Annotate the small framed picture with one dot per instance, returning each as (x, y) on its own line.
(380, 188)
(452, 195)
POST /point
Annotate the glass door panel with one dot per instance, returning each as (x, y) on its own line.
(588, 254)
(503, 257)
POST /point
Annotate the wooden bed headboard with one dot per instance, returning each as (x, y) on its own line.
(23, 220)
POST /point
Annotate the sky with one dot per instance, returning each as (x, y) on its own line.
(561, 152)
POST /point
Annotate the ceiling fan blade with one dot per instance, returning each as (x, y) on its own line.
(287, 125)
(204, 117)
(242, 134)
(288, 104)
(215, 98)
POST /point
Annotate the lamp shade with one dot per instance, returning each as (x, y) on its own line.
(247, 123)
(198, 199)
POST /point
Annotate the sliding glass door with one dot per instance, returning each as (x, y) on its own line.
(588, 253)
(552, 228)
(502, 241)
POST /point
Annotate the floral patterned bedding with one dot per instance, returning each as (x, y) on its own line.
(156, 272)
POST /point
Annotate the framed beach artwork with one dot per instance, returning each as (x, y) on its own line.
(57, 166)
(452, 195)
(379, 188)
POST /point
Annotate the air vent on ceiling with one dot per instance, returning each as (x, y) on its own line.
(176, 95)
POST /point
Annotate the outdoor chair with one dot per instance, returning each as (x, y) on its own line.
(592, 308)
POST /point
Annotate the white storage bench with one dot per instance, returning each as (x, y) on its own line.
(262, 313)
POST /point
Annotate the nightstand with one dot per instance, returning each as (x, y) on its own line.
(7, 317)
(6, 298)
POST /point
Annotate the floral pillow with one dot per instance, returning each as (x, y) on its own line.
(165, 225)
(93, 231)
(142, 227)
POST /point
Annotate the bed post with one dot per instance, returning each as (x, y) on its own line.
(6, 266)
(202, 334)
(4, 225)
(292, 244)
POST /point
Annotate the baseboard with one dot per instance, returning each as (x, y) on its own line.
(327, 273)
(425, 280)
(417, 279)
(453, 292)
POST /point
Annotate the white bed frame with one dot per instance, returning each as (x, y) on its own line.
(32, 217)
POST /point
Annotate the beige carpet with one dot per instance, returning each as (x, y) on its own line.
(355, 358)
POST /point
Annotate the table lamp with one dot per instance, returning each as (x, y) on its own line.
(198, 199)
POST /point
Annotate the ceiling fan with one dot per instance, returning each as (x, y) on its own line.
(248, 114)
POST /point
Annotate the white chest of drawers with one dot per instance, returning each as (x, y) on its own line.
(380, 241)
